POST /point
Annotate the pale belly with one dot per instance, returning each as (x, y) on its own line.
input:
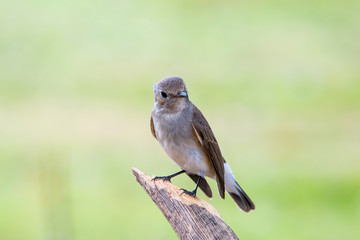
(183, 149)
(190, 158)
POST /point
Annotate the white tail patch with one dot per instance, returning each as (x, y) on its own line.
(230, 182)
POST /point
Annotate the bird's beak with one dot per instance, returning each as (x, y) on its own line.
(182, 94)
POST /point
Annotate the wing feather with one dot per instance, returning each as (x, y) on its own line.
(208, 141)
(152, 127)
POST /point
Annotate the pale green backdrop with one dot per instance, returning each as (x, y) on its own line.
(279, 82)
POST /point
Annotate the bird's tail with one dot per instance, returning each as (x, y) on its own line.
(241, 199)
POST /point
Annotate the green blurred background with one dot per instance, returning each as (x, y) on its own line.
(278, 81)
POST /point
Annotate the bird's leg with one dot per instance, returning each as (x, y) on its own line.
(168, 178)
(193, 193)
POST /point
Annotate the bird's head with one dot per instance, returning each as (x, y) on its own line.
(171, 93)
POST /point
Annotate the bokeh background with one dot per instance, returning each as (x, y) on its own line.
(279, 82)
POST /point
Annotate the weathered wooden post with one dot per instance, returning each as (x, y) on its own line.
(191, 218)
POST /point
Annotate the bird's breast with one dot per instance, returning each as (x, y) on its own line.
(175, 134)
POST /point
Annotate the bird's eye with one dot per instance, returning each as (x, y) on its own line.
(163, 94)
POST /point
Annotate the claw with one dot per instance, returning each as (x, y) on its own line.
(193, 193)
(168, 178)
(164, 178)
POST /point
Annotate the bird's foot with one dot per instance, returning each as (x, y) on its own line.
(168, 178)
(164, 178)
(192, 193)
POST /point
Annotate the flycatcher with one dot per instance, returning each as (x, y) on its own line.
(185, 135)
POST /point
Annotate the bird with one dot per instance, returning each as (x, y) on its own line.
(185, 135)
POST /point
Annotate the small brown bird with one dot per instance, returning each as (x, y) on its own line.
(185, 135)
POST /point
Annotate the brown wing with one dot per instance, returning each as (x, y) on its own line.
(152, 127)
(208, 141)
